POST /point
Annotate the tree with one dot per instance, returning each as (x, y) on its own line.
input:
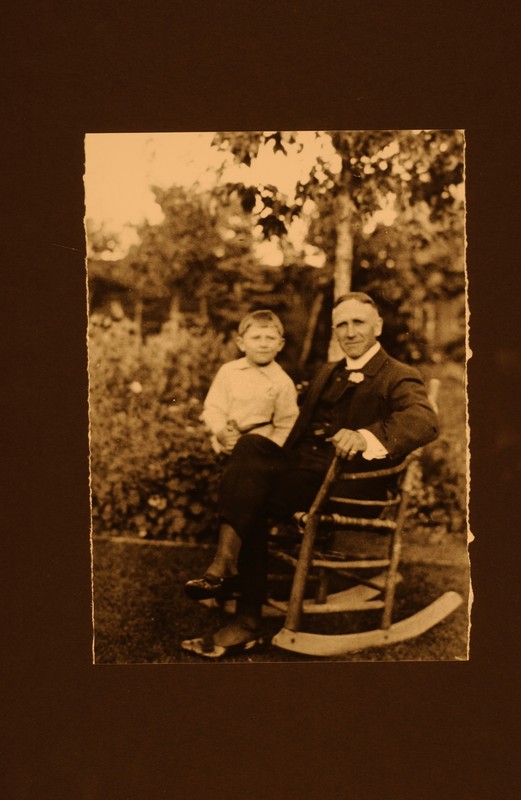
(179, 251)
(414, 173)
(100, 240)
(198, 261)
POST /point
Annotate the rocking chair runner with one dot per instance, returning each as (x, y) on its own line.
(360, 597)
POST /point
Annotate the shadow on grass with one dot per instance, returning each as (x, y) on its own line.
(142, 615)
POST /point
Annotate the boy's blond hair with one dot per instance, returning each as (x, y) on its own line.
(263, 317)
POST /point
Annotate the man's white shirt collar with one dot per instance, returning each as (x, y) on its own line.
(358, 363)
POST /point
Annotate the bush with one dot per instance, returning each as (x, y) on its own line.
(439, 499)
(153, 471)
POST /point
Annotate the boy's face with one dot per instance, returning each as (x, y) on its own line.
(260, 343)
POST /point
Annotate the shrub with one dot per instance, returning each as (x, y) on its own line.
(153, 471)
(439, 499)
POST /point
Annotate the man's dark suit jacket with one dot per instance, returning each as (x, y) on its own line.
(391, 402)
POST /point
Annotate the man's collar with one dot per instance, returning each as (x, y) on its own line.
(358, 363)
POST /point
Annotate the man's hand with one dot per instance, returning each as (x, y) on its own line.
(348, 443)
(228, 436)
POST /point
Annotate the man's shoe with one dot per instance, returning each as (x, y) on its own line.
(210, 586)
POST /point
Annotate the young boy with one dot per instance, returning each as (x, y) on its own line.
(252, 394)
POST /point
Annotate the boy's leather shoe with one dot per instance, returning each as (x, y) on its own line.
(210, 586)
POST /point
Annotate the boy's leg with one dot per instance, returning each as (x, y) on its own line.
(255, 465)
(243, 495)
(247, 482)
(225, 561)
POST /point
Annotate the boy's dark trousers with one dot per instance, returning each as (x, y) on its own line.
(259, 482)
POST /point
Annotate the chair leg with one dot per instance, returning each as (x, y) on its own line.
(322, 587)
(298, 588)
(392, 572)
(294, 615)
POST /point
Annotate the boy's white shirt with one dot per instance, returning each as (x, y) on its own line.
(250, 394)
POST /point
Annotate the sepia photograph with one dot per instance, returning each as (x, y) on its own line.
(260, 391)
(277, 351)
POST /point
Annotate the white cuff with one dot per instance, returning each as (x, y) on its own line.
(375, 448)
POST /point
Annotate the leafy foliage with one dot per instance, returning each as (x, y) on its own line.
(200, 258)
(438, 502)
(416, 166)
(416, 260)
(177, 252)
(153, 471)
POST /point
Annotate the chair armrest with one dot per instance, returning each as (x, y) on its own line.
(377, 473)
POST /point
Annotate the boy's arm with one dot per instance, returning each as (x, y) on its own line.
(216, 404)
(216, 414)
(285, 412)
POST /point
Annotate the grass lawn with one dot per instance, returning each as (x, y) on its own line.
(142, 614)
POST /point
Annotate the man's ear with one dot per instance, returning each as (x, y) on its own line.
(282, 343)
(240, 344)
(378, 326)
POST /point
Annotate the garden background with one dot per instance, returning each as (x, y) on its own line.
(188, 232)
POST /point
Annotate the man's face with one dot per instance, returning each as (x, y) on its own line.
(356, 326)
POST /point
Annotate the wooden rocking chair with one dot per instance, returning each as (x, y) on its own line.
(362, 596)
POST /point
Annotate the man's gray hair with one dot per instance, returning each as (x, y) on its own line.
(362, 297)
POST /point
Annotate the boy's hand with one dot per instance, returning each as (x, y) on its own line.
(348, 443)
(228, 436)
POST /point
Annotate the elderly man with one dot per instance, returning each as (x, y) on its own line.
(366, 407)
